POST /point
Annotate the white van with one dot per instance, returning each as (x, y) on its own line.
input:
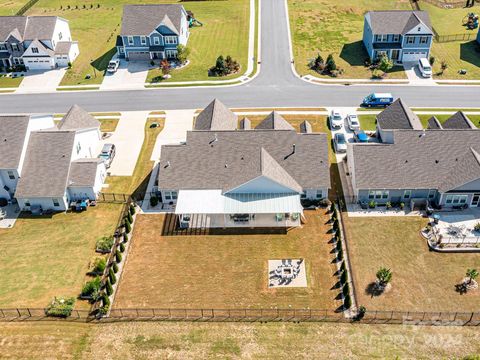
(425, 67)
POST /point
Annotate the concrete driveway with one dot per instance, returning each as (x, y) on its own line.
(39, 81)
(414, 75)
(130, 75)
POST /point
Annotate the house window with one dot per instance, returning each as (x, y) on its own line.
(170, 54)
(143, 40)
(60, 36)
(174, 195)
(371, 194)
(456, 199)
(56, 203)
(130, 40)
(396, 38)
(385, 194)
(431, 194)
(423, 40)
(122, 50)
(407, 194)
(11, 175)
(27, 202)
(303, 195)
(14, 47)
(34, 50)
(3, 46)
(170, 40)
(319, 194)
(410, 40)
(79, 147)
(156, 41)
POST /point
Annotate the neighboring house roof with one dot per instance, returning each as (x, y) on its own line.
(9, 23)
(216, 116)
(274, 121)
(398, 116)
(397, 21)
(227, 159)
(83, 172)
(47, 164)
(13, 130)
(306, 127)
(434, 124)
(429, 159)
(458, 121)
(40, 27)
(245, 124)
(143, 19)
(76, 119)
(63, 47)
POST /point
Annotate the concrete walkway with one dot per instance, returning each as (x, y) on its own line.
(41, 81)
(128, 139)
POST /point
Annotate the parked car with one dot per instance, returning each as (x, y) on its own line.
(425, 68)
(113, 66)
(353, 123)
(107, 154)
(336, 120)
(340, 143)
(360, 136)
(378, 100)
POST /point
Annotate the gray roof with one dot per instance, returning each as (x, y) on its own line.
(143, 19)
(216, 116)
(9, 23)
(429, 159)
(397, 21)
(13, 130)
(40, 27)
(83, 172)
(434, 123)
(227, 159)
(306, 127)
(77, 118)
(274, 121)
(245, 124)
(398, 116)
(63, 47)
(458, 121)
(47, 164)
(42, 47)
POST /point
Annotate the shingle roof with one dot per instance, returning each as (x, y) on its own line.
(13, 130)
(63, 47)
(397, 21)
(40, 27)
(38, 44)
(47, 163)
(10, 23)
(83, 172)
(216, 116)
(458, 121)
(306, 127)
(77, 118)
(245, 124)
(271, 169)
(228, 159)
(433, 123)
(143, 19)
(398, 116)
(430, 159)
(274, 121)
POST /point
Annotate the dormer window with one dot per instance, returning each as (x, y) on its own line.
(34, 50)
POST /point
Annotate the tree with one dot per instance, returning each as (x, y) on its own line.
(182, 53)
(384, 276)
(330, 64)
(385, 63)
(472, 274)
(317, 64)
(232, 65)
(165, 66)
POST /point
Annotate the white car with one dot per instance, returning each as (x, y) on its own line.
(353, 123)
(336, 120)
(340, 143)
(113, 66)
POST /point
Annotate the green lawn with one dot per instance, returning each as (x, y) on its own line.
(43, 257)
(330, 26)
(457, 55)
(9, 82)
(10, 7)
(368, 122)
(225, 31)
(422, 280)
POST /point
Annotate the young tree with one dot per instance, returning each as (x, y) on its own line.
(472, 274)
(384, 276)
(317, 64)
(182, 53)
(385, 63)
(165, 66)
(220, 67)
(330, 64)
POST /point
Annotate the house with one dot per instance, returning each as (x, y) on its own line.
(152, 31)
(404, 36)
(38, 42)
(60, 166)
(15, 133)
(223, 177)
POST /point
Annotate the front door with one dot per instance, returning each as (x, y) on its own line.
(395, 55)
(476, 200)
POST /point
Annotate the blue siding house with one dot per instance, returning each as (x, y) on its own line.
(404, 36)
(152, 31)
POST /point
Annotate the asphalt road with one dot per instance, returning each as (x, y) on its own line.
(276, 86)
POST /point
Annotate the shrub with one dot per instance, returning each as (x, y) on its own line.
(340, 255)
(444, 65)
(317, 64)
(118, 257)
(105, 243)
(105, 300)
(115, 267)
(388, 205)
(339, 244)
(125, 237)
(343, 267)
(224, 66)
(330, 64)
(129, 217)
(128, 227)
(109, 288)
(477, 227)
(60, 307)
(332, 208)
(344, 277)
(402, 205)
(152, 63)
(384, 275)
(335, 224)
(345, 289)
(432, 60)
(372, 204)
(324, 202)
(385, 64)
(92, 288)
(347, 302)
(153, 201)
(112, 277)
(165, 66)
(98, 265)
(69, 65)
(182, 53)
(132, 209)
(122, 247)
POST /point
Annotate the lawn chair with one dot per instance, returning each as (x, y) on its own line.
(3, 214)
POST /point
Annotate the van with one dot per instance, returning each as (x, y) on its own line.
(425, 68)
(377, 100)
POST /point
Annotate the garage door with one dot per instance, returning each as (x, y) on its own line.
(139, 55)
(39, 63)
(62, 60)
(413, 55)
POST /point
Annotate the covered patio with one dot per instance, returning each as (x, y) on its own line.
(212, 209)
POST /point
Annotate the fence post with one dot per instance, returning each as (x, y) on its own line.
(19, 314)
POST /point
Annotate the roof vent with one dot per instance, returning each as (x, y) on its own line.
(215, 139)
(226, 166)
(436, 161)
(167, 164)
(242, 158)
(422, 134)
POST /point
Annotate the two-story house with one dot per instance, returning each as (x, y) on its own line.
(38, 42)
(404, 36)
(152, 31)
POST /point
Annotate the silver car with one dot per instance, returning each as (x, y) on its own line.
(340, 143)
(336, 120)
(353, 123)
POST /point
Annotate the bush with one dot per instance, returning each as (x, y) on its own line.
(60, 307)
(372, 204)
(335, 223)
(347, 302)
(152, 63)
(317, 64)
(92, 288)
(128, 227)
(153, 201)
(109, 288)
(129, 217)
(98, 265)
(345, 289)
(344, 277)
(385, 64)
(132, 209)
(69, 65)
(182, 53)
(112, 277)
(122, 247)
(125, 237)
(105, 243)
(339, 244)
(388, 205)
(340, 255)
(432, 60)
(118, 257)
(105, 300)
(115, 267)
(224, 66)
(343, 267)
(330, 64)
(477, 227)
(332, 208)
(324, 202)
(402, 205)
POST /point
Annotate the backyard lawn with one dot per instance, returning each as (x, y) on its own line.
(225, 31)
(457, 55)
(422, 280)
(368, 122)
(330, 26)
(10, 7)
(44, 257)
(225, 271)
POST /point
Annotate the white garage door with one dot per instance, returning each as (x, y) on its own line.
(62, 60)
(413, 55)
(139, 55)
(39, 63)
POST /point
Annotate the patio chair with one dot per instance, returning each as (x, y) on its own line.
(284, 262)
(289, 262)
(3, 214)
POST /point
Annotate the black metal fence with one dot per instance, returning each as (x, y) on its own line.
(444, 4)
(114, 198)
(455, 37)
